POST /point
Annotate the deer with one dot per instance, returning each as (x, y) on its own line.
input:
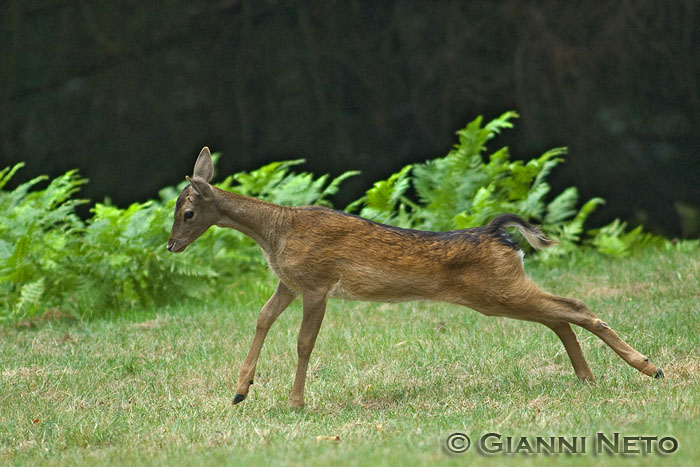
(320, 253)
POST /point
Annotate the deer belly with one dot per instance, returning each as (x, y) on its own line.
(383, 287)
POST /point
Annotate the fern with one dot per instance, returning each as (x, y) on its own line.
(276, 183)
(29, 299)
(334, 186)
(562, 207)
(568, 233)
(461, 190)
(386, 201)
(466, 188)
(614, 239)
(7, 173)
(117, 259)
(50, 258)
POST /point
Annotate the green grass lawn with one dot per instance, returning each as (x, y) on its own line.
(391, 381)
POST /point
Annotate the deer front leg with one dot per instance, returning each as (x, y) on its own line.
(314, 310)
(279, 301)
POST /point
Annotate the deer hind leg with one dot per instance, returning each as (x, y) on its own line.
(576, 312)
(278, 302)
(573, 348)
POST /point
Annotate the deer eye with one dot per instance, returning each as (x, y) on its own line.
(189, 215)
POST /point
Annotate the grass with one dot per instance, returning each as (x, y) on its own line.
(392, 382)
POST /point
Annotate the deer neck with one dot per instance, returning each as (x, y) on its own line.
(260, 220)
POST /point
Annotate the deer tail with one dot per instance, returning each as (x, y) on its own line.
(532, 234)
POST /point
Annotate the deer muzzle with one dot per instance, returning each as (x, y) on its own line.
(175, 246)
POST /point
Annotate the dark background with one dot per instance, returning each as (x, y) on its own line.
(129, 91)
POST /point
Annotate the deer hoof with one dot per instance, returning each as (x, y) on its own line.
(238, 398)
(659, 373)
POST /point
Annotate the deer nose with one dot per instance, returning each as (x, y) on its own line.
(171, 245)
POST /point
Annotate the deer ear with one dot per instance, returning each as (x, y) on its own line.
(204, 168)
(201, 187)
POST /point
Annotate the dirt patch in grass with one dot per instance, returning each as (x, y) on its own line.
(627, 290)
(683, 370)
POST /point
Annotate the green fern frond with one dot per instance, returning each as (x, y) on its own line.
(382, 201)
(29, 298)
(562, 207)
(7, 173)
(334, 186)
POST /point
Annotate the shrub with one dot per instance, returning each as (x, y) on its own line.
(51, 259)
(467, 189)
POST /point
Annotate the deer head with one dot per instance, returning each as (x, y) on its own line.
(195, 209)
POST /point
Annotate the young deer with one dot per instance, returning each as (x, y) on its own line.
(321, 253)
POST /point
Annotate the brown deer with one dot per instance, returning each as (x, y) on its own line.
(321, 253)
